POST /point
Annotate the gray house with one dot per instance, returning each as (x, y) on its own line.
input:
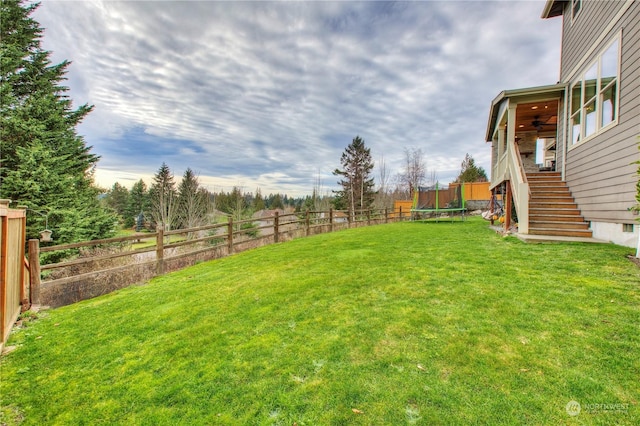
(563, 153)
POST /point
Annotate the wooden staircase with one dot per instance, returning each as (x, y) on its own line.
(552, 209)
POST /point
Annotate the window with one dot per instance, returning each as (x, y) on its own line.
(576, 5)
(627, 227)
(594, 95)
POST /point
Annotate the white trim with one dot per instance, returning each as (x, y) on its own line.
(571, 7)
(599, 129)
(565, 139)
(580, 65)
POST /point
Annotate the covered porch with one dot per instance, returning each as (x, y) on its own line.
(523, 131)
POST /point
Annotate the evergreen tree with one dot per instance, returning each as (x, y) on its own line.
(45, 164)
(193, 201)
(275, 201)
(258, 201)
(117, 198)
(357, 183)
(470, 172)
(237, 205)
(163, 198)
(138, 209)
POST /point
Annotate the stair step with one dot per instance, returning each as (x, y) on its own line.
(537, 201)
(550, 193)
(531, 178)
(558, 225)
(555, 212)
(543, 174)
(555, 218)
(549, 204)
(547, 184)
(560, 232)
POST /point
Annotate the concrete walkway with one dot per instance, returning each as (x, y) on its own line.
(527, 238)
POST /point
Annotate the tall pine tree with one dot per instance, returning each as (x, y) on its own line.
(469, 172)
(45, 164)
(193, 201)
(117, 198)
(163, 198)
(138, 210)
(357, 183)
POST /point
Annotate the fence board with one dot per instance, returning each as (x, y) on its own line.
(12, 267)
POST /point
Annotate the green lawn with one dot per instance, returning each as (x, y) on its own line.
(409, 323)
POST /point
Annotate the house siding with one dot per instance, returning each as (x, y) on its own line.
(579, 35)
(599, 171)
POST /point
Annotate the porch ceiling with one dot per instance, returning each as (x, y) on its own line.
(525, 100)
(541, 117)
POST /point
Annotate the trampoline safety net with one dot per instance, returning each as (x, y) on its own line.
(439, 198)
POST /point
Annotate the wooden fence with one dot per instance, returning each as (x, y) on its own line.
(13, 278)
(102, 266)
(475, 191)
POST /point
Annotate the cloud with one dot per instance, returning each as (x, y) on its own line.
(270, 93)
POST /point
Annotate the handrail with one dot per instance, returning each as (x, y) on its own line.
(523, 174)
(519, 183)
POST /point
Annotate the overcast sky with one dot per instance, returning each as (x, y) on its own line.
(269, 94)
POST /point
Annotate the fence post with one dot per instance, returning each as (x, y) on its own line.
(230, 235)
(400, 215)
(276, 226)
(386, 215)
(369, 217)
(34, 271)
(330, 219)
(160, 250)
(307, 223)
(23, 237)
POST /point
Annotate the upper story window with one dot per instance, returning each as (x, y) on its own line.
(576, 5)
(594, 95)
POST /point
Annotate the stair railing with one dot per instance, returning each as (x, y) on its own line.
(519, 186)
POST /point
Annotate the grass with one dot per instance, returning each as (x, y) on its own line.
(407, 323)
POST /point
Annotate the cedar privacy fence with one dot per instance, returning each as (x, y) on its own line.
(97, 267)
(13, 270)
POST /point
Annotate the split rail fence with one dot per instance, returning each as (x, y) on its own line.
(97, 267)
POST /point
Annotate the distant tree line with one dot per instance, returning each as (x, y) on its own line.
(188, 204)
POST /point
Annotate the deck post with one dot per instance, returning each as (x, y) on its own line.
(507, 207)
(492, 204)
